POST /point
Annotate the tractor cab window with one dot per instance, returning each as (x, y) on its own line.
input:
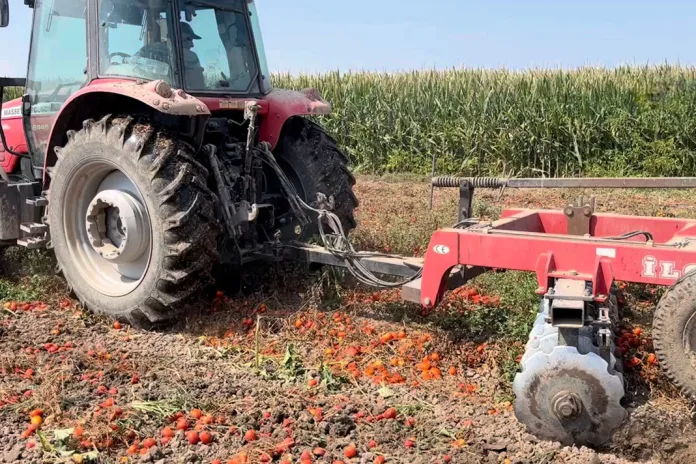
(217, 46)
(136, 39)
(58, 64)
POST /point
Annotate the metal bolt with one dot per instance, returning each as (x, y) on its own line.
(156, 102)
(163, 89)
(567, 405)
(569, 211)
(298, 230)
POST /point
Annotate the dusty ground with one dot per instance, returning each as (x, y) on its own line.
(308, 366)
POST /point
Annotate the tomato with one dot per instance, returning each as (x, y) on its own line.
(350, 451)
(250, 435)
(390, 413)
(192, 437)
(206, 438)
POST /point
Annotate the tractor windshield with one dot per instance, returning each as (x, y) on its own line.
(218, 53)
(136, 40)
(216, 48)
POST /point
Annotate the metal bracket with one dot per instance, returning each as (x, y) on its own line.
(568, 313)
(38, 202)
(466, 200)
(245, 213)
(579, 215)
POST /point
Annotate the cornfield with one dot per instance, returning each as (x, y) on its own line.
(628, 121)
(11, 93)
(624, 121)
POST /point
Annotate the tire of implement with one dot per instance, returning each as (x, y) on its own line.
(674, 334)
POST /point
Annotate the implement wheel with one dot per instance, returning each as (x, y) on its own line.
(131, 220)
(674, 333)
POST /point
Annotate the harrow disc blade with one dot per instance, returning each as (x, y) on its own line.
(569, 397)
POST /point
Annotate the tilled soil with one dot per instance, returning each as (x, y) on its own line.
(307, 366)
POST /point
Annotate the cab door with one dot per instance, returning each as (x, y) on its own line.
(57, 67)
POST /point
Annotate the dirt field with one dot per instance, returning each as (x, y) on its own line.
(310, 368)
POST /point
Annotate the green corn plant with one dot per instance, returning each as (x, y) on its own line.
(628, 121)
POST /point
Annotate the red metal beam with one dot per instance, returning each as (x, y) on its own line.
(517, 242)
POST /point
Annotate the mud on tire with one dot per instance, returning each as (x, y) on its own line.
(674, 334)
(320, 166)
(172, 187)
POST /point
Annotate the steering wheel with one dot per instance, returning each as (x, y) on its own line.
(122, 55)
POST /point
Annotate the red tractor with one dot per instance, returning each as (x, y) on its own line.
(150, 148)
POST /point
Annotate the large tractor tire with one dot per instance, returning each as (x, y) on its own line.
(674, 334)
(132, 220)
(319, 166)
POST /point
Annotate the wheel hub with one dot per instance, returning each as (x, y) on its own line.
(117, 226)
(567, 405)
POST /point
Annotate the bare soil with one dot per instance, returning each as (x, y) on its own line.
(312, 363)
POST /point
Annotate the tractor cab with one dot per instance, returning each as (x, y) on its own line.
(200, 46)
(210, 47)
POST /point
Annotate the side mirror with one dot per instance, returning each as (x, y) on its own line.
(4, 13)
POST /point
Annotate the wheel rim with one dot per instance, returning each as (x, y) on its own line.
(689, 339)
(107, 227)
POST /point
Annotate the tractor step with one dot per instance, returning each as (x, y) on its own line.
(33, 228)
(37, 201)
(35, 235)
(33, 243)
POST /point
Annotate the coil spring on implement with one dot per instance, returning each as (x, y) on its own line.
(475, 182)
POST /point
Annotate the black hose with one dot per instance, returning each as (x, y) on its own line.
(648, 236)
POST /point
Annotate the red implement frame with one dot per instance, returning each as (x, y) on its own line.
(539, 241)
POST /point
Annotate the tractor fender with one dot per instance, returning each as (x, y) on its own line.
(281, 105)
(157, 95)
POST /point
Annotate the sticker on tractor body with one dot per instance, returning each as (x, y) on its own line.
(606, 252)
(9, 113)
(441, 249)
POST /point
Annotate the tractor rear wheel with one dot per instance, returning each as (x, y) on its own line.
(313, 161)
(132, 220)
(674, 334)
